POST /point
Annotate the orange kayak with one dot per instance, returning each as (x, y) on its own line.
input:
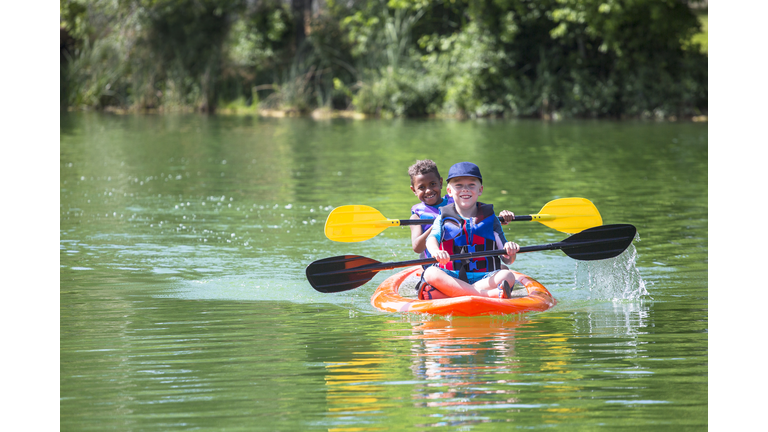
(387, 298)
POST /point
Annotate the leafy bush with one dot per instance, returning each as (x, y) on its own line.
(403, 92)
(474, 58)
(470, 65)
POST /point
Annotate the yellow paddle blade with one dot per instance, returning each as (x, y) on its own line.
(569, 215)
(355, 223)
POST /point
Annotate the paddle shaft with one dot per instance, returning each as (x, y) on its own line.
(404, 222)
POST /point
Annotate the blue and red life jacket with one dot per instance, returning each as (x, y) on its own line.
(460, 236)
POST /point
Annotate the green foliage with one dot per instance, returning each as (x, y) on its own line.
(470, 65)
(187, 38)
(74, 18)
(307, 82)
(403, 92)
(640, 48)
(702, 38)
(97, 76)
(393, 83)
(475, 58)
(380, 35)
(97, 73)
(259, 36)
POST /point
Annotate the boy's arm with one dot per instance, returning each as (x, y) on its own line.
(433, 243)
(499, 231)
(419, 238)
(433, 247)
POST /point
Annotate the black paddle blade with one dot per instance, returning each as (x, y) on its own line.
(330, 275)
(601, 242)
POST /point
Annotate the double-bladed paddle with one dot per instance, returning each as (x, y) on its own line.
(355, 223)
(346, 272)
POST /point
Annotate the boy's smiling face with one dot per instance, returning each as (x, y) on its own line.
(465, 191)
(427, 188)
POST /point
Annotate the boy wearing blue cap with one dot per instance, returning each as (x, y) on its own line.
(467, 226)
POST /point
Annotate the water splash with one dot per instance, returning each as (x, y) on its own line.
(612, 279)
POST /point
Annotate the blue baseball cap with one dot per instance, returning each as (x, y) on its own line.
(465, 169)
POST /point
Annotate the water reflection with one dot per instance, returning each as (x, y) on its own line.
(457, 364)
(441, 342)
(470, 370)
(472, 373)
(354, 386)
(465, 362)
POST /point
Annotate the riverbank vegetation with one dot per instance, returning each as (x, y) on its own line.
(408, 58)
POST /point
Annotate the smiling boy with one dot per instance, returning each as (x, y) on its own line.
(427, 185)
(467, 226)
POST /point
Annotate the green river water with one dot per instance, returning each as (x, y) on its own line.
(184, 304)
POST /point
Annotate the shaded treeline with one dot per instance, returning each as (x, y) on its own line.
(527, 58)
